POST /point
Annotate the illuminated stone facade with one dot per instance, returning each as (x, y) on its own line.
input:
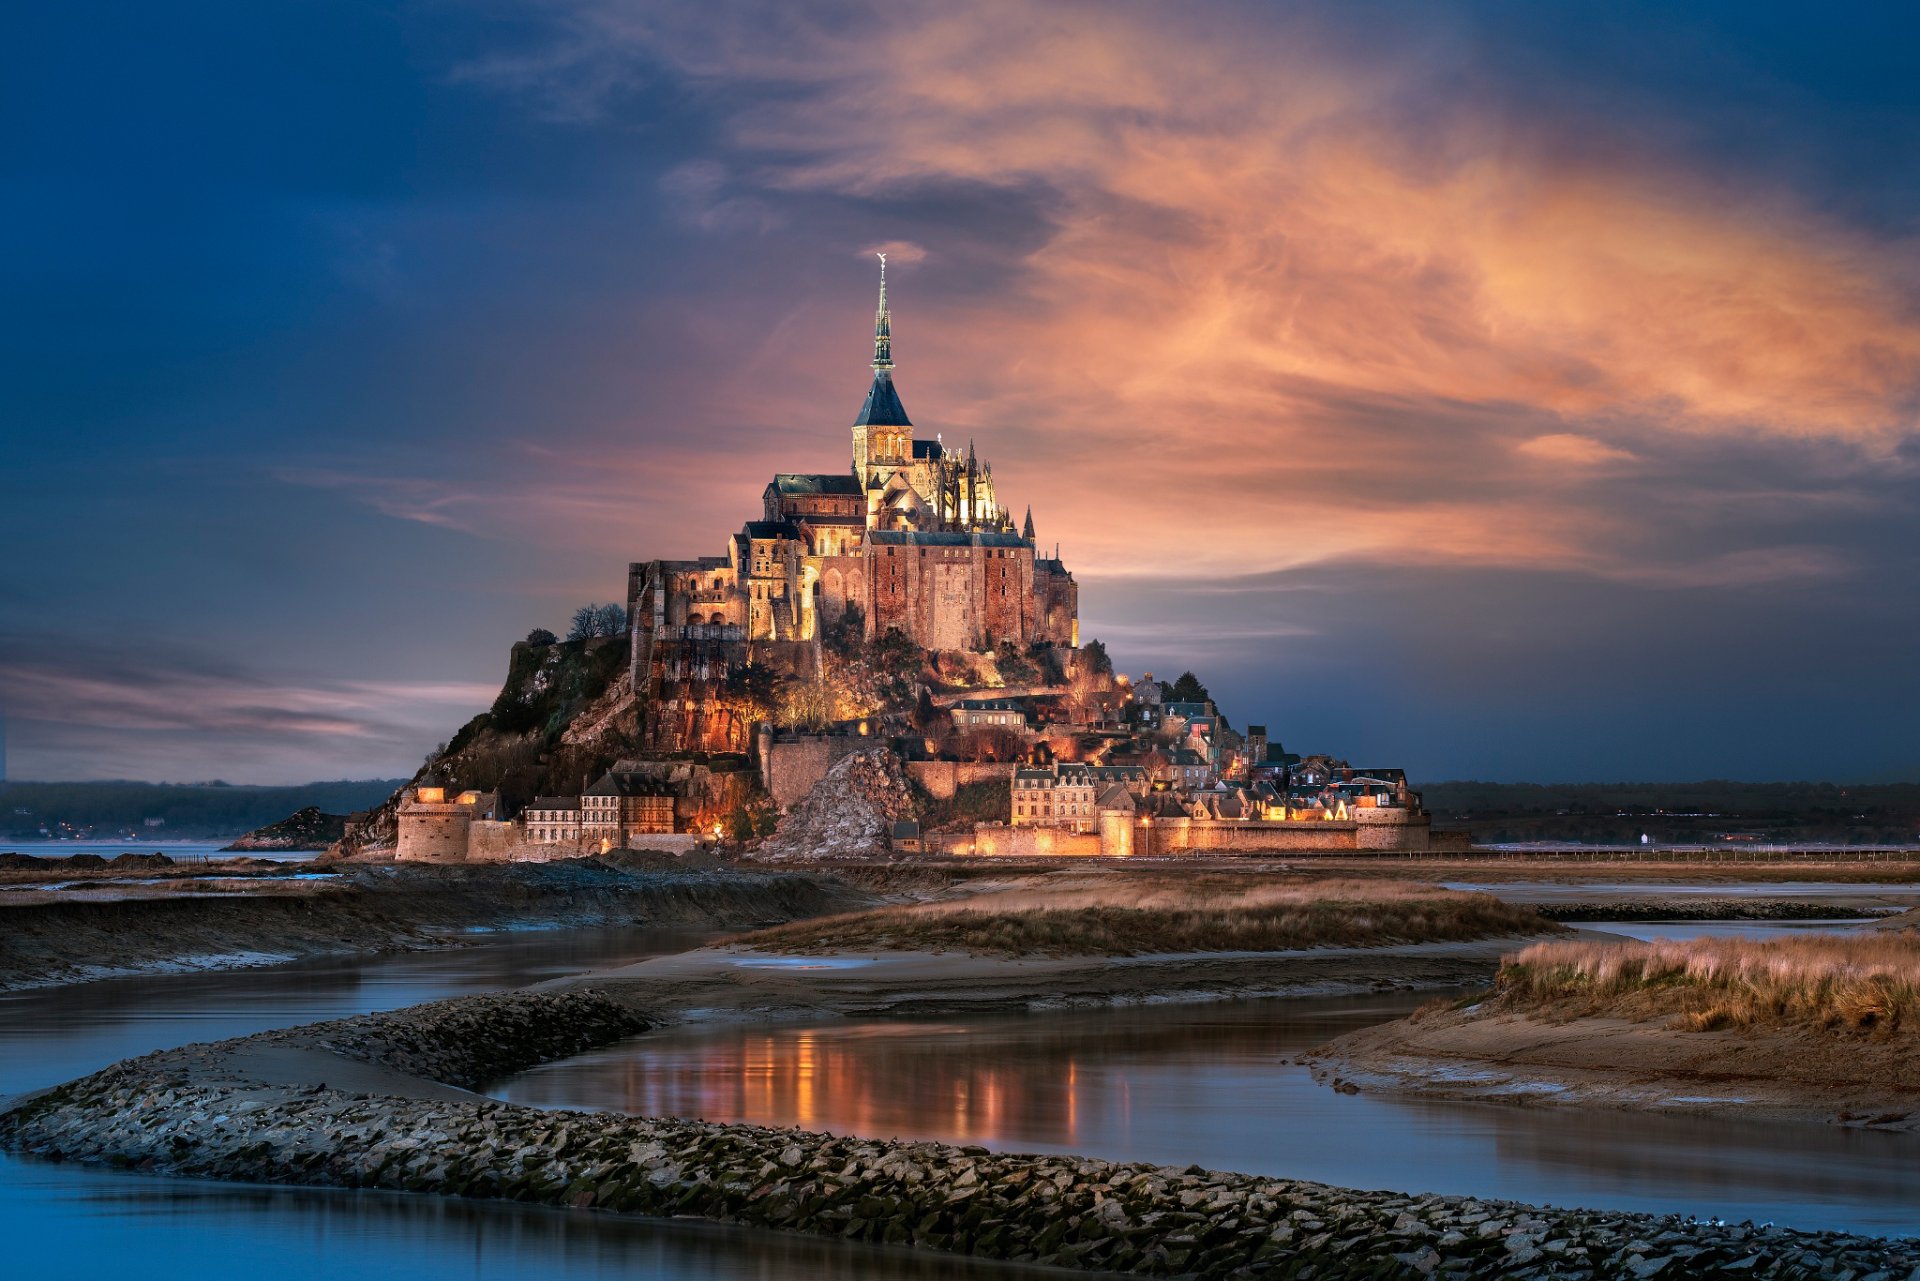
(912, 535)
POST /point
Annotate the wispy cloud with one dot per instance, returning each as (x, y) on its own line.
(1307, 293)
(1574, 450)
(94, 711)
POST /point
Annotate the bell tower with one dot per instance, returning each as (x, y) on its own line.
(882, 434)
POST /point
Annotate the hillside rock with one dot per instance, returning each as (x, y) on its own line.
(307, 829)
(848, 814)
(564, 716)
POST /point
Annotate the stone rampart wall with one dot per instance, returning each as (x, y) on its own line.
(791, 766)
(998, 839)
(432, 836)
(944, 778)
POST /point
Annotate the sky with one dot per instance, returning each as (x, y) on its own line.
(1513, 392)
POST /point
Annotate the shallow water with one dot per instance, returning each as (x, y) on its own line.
(1648, 931)
(86, 1225)
(1558, 891)
(81, 1225)
(183, 852)
(55, 1034)
(1174, 1084)
(1214, 1085)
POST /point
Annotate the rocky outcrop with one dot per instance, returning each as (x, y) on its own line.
(848, 813)
(307, 829)
(199, 1111)
(565, 714)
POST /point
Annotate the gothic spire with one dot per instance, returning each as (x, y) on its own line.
(882, 327)
(1027, 532)
(883, 407)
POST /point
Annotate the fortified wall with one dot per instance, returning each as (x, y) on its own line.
(1123, 835)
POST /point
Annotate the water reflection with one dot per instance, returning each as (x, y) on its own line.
(53, 1035)
(1215, 1085)
(84, 1225)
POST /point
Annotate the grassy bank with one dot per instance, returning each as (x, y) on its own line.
(1129, 915)
(1866, 984)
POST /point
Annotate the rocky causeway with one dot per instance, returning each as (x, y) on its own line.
(389, 1101)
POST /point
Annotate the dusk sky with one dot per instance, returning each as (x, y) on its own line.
(1519, 392)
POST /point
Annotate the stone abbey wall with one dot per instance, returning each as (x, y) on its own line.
(943, 778)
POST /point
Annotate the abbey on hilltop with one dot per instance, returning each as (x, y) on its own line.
(911, 535)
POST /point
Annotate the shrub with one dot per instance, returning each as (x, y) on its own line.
(1832, 982)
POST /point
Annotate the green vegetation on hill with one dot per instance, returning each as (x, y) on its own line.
(987, 801)
(564, 715)
(189, 811)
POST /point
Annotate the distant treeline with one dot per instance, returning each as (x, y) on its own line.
(1682, 813)
(191, 811)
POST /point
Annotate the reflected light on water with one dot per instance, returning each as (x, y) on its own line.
(1217, 1085)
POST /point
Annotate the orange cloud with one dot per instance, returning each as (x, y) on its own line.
(1289, 325)
(1573, 450)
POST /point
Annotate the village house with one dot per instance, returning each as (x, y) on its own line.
(623, 805)
(976, 713)
(552, 820)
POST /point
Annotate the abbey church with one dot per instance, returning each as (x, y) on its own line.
(912, 536)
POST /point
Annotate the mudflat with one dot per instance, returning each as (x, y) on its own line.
(1815, 1027)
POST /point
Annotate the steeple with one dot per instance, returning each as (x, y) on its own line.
(883, 407)
(882, 327)
(1027, 532)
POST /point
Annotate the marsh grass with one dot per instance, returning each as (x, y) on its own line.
(1852, 983)
(1129, 915)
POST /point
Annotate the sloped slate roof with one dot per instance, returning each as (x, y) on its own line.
(882, 407)
(771, 529)
(928, 449)
(811, 483)
(944, 538)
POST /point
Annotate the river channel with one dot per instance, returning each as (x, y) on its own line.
(1176, 1084)
(90, 1225)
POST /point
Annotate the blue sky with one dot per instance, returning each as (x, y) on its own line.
(1520, 392)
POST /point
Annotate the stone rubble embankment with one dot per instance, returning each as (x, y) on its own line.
(848, 814)
(180, 1111)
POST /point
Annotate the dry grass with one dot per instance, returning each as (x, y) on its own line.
(1839, 982)
(1130, 915)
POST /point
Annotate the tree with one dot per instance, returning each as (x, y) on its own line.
(590, 621)
(1188, 689)
(988, 743)
(808, 704)
(1097, 661)
(847, 634)
(541, 636)
(758, 688)
(1015, 667)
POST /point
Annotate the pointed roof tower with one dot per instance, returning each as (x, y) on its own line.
(883, 407)
(1027, 531)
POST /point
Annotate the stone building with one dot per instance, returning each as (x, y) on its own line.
(622, 805)
(552, 820)
(974, 713)
(434, 828)
(912, 536)
(1071, 795)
